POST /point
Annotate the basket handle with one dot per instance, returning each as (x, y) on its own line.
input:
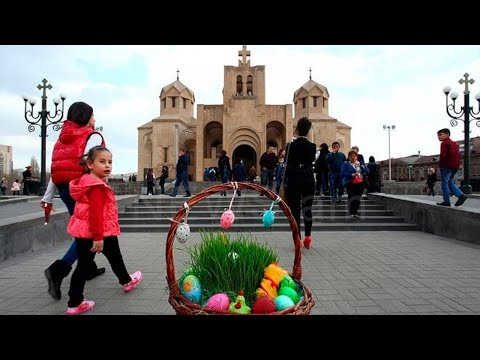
(171, 279)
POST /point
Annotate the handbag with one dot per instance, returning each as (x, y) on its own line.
(424, 188)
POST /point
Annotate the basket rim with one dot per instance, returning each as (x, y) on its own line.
(170, 266)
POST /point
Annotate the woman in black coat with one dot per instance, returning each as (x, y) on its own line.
(299, 177)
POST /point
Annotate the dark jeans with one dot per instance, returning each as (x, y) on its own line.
(63, 190)
(321, 184)
(25, 188)
(267, 178)
(354, 192)
(336, 183)
(181, 178)
(150, 185)
(162, 184)
(111, 250)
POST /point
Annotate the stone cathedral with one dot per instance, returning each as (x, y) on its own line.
(244, 125)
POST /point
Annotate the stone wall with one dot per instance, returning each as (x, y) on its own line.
(28, 233)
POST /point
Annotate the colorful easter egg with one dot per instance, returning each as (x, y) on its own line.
(218, 301)
(191, 288)
(268, 218)
(263, 305)
(287, 291)
(183, 232)
(282, 302)
(287, 281)
(227, 219)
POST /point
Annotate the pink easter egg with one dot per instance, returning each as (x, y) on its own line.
(227, 219)
(218, 302)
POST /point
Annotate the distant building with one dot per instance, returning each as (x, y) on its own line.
(415, 167)
(6, 162)
(244, 125)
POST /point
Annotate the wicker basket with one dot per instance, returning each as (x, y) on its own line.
(184, 306)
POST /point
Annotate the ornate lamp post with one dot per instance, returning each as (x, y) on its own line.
(44, 119)
(465, 111)
(389, 128)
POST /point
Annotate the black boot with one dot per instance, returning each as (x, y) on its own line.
(55, 274)
(95, 271)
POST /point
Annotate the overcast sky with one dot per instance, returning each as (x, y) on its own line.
(369, 86)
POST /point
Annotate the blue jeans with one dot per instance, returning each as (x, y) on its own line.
(448, 184)
(71, 255)
(335, 183)
(267, 178)
(182, 178)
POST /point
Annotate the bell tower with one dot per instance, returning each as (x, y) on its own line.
(244, 82)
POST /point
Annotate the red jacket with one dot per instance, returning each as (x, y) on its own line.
(96, 214)
(68, 151)
(449, 154)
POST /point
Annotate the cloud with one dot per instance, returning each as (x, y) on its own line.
(369, 86)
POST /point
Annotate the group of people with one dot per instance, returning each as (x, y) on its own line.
(81, 164)
(15, 189)
(302, 164)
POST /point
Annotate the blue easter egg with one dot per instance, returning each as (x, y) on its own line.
(268, 218)
(191, 288)
(282, 302)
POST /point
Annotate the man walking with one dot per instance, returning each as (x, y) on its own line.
(182, 174)
(449, 165)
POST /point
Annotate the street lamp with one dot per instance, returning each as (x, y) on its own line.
(41, 120)
(466, 111)
(389, 128)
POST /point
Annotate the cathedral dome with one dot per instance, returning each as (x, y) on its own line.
(311, 88)
(178, 89)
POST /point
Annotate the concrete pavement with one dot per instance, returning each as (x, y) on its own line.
(349, 273)
(378, 272)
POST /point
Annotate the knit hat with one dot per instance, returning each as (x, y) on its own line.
(80, 113)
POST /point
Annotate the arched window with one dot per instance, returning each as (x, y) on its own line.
(239, 85)
(250, 85)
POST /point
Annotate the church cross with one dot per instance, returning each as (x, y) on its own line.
(244, 53)
(44, 87)
(310, 73)
(178, 71)
(466, 81)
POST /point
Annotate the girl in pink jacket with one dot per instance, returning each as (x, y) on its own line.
(95, 227)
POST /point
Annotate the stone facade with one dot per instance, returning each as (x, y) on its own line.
(244, 125)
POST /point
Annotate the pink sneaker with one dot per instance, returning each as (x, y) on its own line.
(136, 278)
(85, 306)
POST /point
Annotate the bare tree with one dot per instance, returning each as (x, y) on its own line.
(35, 166)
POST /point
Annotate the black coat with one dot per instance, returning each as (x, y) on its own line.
(300, 160)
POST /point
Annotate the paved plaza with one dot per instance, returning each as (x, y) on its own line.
(378, 272)
(349, 273)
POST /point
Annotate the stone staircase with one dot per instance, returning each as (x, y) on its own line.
(152, 214)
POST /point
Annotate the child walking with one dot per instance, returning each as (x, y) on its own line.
(16, 187)
(94, 224)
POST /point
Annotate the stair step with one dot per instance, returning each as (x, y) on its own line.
(153, 213)
(156, 213)
(252, 220)
(353, 226)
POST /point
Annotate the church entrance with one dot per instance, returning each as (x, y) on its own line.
(247, 154)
